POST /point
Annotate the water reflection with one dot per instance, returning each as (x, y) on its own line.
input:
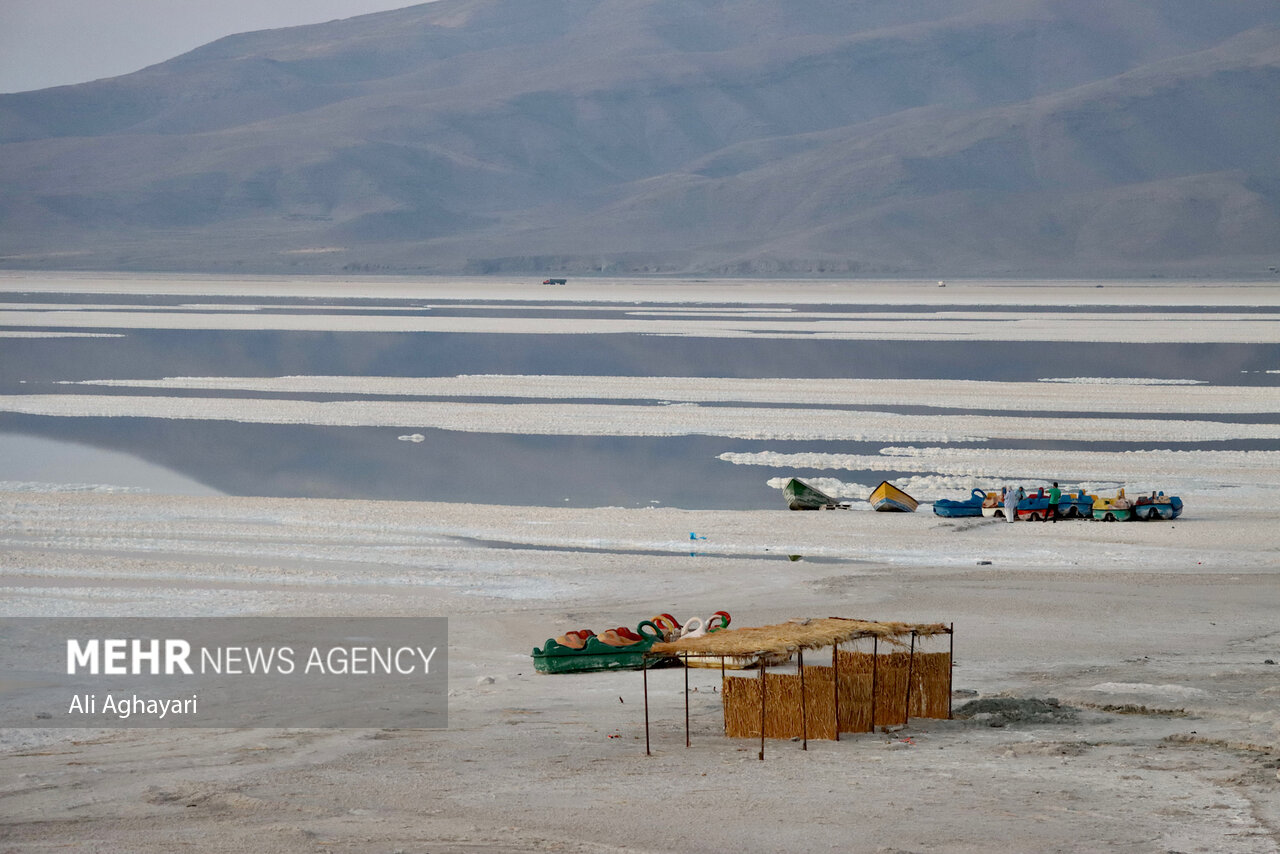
(257, 459)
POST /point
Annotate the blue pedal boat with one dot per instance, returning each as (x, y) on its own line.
(1157, 506)
(971, 506)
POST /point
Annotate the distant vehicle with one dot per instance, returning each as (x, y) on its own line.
(555, 281)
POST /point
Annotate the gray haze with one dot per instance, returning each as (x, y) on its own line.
(744, 137)
(57, 42)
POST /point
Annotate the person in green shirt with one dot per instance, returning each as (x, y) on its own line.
(1055, 495)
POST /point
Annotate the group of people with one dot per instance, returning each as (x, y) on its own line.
(1012, 497)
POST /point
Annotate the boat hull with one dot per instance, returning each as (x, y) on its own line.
(581, 661)
(802, 496)
(1112, 509)
(1076, 506)
(1033, 509)
(1170, 508)
(887, 498)
(1112, 514)
(953, 509)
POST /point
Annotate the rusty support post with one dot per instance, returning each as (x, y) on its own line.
(951, 663)
(835, 680)
(722, 700)
(763, 668)
(804, 709)
(686, 699)
(875, 661)
(645, 670)
(906, 713)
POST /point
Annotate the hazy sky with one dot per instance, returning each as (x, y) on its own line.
(55, 42)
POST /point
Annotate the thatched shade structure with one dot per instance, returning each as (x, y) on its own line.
(786, 639)
(855, 694)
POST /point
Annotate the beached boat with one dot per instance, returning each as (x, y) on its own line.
(993, 506)
(1116, 509)
(971, 506)
(1157, 506)
(1076, 505)
(1035, 507)
(888, 498)
(802, 496)
(584, 652)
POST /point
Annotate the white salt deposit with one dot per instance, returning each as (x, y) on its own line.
(1042, 326)
(1137, 611)
(1139, 295)
(43, 333)
(1146, 688)
(584, 419)
(1117, 381)
(1145, 469)
(1138, 396)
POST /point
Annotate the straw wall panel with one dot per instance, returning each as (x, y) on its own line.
(930, 685)
(741, 699)
(929, 696)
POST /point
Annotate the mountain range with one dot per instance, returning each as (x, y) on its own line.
(714, 137)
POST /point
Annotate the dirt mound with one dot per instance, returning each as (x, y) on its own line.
(998, 711)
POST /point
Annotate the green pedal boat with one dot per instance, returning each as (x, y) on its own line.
(583, 651)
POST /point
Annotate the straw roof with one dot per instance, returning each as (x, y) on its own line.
(786, 638)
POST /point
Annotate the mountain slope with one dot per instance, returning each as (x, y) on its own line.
(727, 136)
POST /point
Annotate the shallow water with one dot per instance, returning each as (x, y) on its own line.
(323, 461)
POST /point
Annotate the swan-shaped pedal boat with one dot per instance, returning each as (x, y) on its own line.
(584, 651)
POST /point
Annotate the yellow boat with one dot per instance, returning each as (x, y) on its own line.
(887, 497)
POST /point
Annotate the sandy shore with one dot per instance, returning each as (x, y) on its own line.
(1145, 650)
(1169, 623)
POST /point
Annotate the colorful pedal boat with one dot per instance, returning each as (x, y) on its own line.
(1157, 506)
(971, 506)
(584, 651)
(1076, 505)
(1116, 509)
(1035, 507)
(596, 655)
(888, 498)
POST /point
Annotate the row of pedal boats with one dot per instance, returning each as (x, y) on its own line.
(1072, 505)
(582, 650)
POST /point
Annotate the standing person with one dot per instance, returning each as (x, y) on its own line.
(1010, 504)
(1055, 495)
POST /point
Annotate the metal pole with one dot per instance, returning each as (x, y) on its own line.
(723, 704)
(875, 661)
(951, 663)
(686, 699)
(763, 668)
(645, 670)
(804, 715)
(835, 676)
(906, 713)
